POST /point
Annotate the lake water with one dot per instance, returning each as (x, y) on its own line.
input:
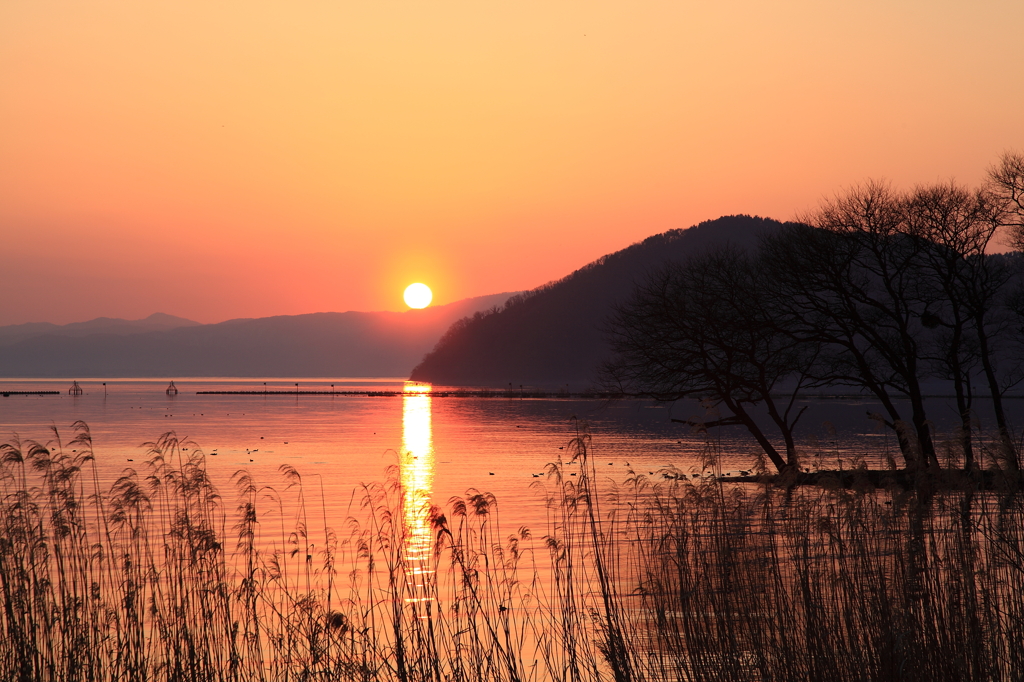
(446, 445)
(391, 580)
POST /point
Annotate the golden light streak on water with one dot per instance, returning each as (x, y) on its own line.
(417, 476)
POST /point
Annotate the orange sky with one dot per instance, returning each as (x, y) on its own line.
(241, 159)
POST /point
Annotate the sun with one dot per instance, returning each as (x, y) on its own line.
(418, 295)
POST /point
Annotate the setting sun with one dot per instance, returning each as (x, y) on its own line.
(418, 295)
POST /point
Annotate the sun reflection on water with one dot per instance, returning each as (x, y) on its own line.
(417, 475)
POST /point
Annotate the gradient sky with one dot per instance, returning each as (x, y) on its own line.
(242, 159)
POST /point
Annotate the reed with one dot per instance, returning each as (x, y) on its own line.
(156, 577)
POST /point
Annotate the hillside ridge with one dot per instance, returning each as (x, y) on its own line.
(553, 335)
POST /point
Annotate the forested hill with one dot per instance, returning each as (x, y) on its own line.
(554, 335)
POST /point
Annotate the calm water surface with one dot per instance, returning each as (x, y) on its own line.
(444, 446)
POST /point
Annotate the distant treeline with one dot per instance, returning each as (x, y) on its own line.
(878, 290)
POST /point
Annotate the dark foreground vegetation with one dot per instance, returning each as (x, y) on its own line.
(158, 578)
(891, 294)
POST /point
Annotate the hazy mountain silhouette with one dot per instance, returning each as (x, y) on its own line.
(101, 325)
(553, 335)
(353, 344)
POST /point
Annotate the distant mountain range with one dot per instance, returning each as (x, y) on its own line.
(555, 334)
(352, 344)
(101, 325)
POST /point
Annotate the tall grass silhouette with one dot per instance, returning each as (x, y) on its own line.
(157, 577)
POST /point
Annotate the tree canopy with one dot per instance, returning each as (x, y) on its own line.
(877, 290)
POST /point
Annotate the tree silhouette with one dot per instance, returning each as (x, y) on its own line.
(1007, 181)
(703, 329)
(850, 284)
(877, 290)
(965, 284)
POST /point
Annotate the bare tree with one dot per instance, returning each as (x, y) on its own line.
(956, 226)
(876, 290)
(849, 279)
(702, 329)
(1007, 181)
